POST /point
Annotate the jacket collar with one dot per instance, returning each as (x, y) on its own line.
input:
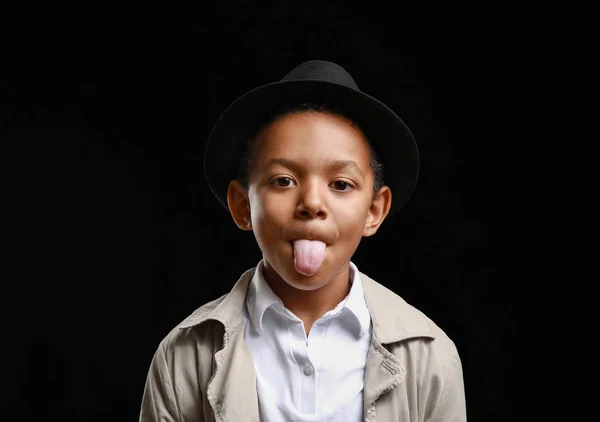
(227, 309)
(393, 319)
(233, 381)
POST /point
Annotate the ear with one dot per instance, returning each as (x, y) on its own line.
(239, 205)
(378, 211)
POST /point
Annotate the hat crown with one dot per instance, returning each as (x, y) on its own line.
(319, 70)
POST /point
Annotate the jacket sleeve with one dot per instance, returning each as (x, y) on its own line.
(158, 401)
(451, 406)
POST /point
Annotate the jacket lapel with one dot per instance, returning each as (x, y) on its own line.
(383, 373)
(232, 391)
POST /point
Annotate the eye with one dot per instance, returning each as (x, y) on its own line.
(340, 185)
(284, 182)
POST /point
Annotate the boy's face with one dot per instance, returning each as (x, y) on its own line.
(310, 179)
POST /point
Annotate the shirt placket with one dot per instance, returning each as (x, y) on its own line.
(306, 368)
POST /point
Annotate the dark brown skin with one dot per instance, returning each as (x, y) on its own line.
(310, 179)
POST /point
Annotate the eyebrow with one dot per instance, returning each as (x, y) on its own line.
(334, 164)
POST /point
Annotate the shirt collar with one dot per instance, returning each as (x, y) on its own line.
(260, 298)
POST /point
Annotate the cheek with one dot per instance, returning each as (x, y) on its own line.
(269, 205)
(269, 214)
(351, 221)
(257, 207)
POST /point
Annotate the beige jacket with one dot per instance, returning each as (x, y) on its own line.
(203, 369)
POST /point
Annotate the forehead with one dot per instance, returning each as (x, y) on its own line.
(312, 136)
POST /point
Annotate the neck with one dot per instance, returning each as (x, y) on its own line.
(310, 305)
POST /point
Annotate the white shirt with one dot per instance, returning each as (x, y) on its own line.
(314, 378)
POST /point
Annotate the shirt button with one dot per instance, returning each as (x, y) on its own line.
(308, 370)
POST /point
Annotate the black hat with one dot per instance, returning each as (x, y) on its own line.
(314, 81)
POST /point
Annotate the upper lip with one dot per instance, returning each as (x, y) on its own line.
(311, 236)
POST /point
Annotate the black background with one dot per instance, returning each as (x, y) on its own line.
(105, 114)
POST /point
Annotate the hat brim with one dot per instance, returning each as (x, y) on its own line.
(387, 133)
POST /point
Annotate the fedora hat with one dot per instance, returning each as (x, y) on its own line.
(314, 81)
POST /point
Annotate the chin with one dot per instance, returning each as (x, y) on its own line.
(304, 282)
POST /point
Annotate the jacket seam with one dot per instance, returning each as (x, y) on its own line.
(172, 399)
(228, 333)
(450, 369)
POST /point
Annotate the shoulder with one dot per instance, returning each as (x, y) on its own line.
(207, 326)
(401, 326)
(193, 332)
(187, 352)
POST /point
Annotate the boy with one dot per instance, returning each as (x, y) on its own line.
(308, 164)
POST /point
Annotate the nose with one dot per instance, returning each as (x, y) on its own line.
(311, 203)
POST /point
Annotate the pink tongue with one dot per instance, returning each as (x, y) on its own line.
(308, 256)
